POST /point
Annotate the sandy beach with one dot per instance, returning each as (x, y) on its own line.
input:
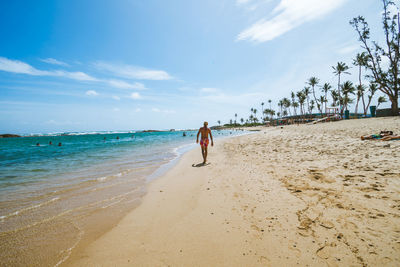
(308, 195)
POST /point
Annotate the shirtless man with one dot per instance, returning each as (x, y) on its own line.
(204, 140)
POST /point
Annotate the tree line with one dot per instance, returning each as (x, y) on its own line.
(370, 64)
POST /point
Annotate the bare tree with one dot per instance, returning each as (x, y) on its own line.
(387, 77)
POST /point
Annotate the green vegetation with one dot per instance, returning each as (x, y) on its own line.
(370, 65)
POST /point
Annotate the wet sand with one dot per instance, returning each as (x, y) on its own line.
(303, 195)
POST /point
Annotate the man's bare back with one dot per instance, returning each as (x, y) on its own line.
(204, 131)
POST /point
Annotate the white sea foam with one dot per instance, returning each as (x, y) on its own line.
(28, 208)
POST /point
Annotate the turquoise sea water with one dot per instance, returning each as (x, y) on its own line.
(64, 194)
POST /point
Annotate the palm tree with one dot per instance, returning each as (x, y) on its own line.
(272, 112)
(280, 105)
(313, 81)
(373, 87)
(335, 97)
(340, 68)
(235, 117)
(219, 123)
(262, 111)
(302, 98)
(270, 101)
(381, 100)
(325, 89)
(286, 105)
(293, 96)
(255, 114)
(322, 100)
(361, 61)
(306, 92)
(295, 105)
(360, 94)
(241, 120)
(347, 88)
(312, 105)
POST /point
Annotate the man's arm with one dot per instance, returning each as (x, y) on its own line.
(212, 141)
(197, 140)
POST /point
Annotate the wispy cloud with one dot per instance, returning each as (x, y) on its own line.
(135, 96)
(54, 61)
(288, 15)
(166, 111)
(16, 66)
(91, 93)
(116, 97)
(348, 49)
(242, 2)
(126, 85)
(132, 72)
(209, 90)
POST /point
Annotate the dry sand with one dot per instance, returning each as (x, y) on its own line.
(309, 195)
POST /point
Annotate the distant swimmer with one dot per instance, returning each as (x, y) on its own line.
(37, 144)
(104, 139)
(117, 137)
(184, 134)
(50, 143)
(204, 131)
(59, 144)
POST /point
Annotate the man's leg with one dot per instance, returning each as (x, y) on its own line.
(202, 152)
(205, 154)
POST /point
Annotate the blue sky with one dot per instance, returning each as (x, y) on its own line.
(147, 64)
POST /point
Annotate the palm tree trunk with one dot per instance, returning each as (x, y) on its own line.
(340, 103)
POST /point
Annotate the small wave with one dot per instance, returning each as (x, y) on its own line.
(28, 208)
(69, 250)
(104, 178)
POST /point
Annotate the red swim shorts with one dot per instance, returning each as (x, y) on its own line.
(204, 142)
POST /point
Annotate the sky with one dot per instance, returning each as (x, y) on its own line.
(91, 65)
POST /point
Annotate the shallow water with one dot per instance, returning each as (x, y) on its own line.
(54, 198)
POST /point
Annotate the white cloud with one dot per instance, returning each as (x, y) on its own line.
(116, 109)
(135, 95)
(80, 76)
(116, 97)
(166, 111)
(209, 90)
(243, 2)
(288, 15)
(138, 110)
(54, 61)
(348, 49)
(16, 66)
(91, 93)
(126, 85)
(132, 72)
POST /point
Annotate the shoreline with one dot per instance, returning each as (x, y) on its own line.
(281, 196)
(71, 208)
(158, 173)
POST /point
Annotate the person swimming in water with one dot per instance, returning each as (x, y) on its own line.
(204, 131)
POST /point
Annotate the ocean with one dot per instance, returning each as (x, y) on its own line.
(55, 198)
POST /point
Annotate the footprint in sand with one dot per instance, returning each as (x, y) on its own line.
(327, 224)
